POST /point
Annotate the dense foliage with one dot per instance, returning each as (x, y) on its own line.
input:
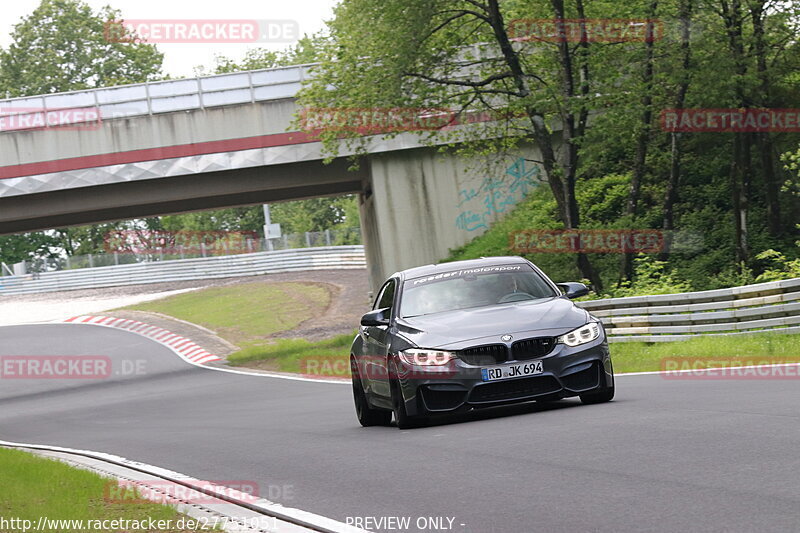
(593, 106)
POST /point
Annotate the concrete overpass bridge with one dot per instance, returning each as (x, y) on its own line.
(221, 141)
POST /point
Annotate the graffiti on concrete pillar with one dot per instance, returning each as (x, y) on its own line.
(494, 196)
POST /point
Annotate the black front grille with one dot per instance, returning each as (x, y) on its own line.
(484, 355)
(532, 348)
(514, 389)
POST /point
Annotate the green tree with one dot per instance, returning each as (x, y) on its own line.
(84, 240)
(25, 247)
(233, 219)
(472, 56)
(305, 51)
(316, 214)
(590, 105)
(253, 59)
(63, 46)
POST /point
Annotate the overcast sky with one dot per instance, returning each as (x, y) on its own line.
(180, 59)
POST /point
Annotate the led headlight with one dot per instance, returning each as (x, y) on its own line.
(419, 357)
(582, 335)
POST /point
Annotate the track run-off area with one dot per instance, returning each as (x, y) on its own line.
(665, 455)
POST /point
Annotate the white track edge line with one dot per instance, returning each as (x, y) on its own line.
(275, 509)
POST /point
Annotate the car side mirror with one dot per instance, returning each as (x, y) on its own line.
(378, 317)
(573, 290)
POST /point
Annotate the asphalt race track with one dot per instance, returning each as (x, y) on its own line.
(666, 455)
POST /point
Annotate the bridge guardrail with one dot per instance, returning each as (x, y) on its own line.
(295, 260)
(765, 307)
(166, 96)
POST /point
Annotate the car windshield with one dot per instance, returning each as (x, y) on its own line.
(477, 287)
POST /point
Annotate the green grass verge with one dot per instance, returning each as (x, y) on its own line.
(245, 313)
(714, 351)
(32, 487)
(300, 355)
(330, 357)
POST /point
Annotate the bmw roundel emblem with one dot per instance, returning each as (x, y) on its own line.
(506, 338)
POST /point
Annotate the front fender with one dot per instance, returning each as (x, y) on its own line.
(357, 348)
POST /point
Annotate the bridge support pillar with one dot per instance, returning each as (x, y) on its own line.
(417, 205)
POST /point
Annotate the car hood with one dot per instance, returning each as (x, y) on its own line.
(484, 325)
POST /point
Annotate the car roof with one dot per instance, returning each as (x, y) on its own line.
(428, 270)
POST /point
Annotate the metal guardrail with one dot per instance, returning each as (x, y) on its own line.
(167, 96)
(765, 307)
(320, 258)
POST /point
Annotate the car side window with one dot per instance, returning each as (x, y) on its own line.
(387, 295)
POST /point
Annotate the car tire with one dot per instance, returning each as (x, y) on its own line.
(403, 419)
(602, 396)
(367, 416)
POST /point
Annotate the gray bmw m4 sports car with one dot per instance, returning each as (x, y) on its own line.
(469, 334)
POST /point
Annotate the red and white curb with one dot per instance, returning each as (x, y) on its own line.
(183, 347)
(186, 349)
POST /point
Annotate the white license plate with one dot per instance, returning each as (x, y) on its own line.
(497, 373)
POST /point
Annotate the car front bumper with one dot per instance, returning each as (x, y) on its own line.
(566, 372)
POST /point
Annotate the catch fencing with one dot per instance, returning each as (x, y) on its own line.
(295, 260)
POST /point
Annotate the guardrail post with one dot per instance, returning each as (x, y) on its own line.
(44, 110)
(328, 237)
(97, 106)
(116, 258)
(200, 93)
(308, 240)
(91, 261)
(149, 99)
